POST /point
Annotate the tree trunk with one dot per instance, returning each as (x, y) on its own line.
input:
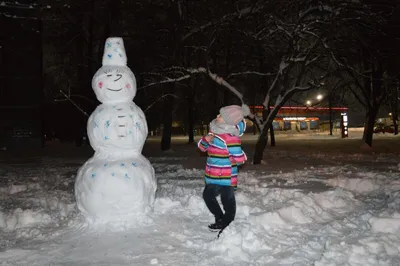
(330, 114)
(166, 135)
(395, 125)
(190, 106)
(271, 126)
(377, 90)
(369, 125)
(395, 110)
(190, 127)
(272, 133)
(261, 144)
(167, 121)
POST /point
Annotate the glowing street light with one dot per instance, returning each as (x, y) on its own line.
(308, 103)
(319, 97)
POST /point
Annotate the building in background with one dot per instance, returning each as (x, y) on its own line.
(302, 118)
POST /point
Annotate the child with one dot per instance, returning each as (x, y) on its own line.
(223, 147)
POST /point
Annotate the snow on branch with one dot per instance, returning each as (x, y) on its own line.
(201, 70)
(270, 89)
(312, 60)
(224, 83)
(282, 29)
(311, 33)
(31, 6)
(313, 9)
(339, 63)
(284, 64)
(17, 5)
(297, 59)
(193, 71)
(167, 80)
(74, 103)
(161, 98)
(250, 73)
(240, 13)
(300, 88)
(281, 99)
(7, 15)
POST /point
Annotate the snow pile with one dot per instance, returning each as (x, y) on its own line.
(388, 220)
(389, 224)
(311, 208)
(364, 185)
(39, 212)
(13, 189)
(267, 229)
(374, 238)
(23, 218)
(37, 207)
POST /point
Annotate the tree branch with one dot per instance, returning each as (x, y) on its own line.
(250, 73)
(162, 97)
(240, 13)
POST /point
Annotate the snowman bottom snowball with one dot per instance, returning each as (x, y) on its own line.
(115, 190)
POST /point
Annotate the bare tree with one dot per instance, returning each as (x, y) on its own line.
(361, 51)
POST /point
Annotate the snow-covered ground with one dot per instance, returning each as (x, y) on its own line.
(316, 200)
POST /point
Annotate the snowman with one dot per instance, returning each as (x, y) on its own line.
(118, 182)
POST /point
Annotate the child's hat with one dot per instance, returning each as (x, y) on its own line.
(233, 114)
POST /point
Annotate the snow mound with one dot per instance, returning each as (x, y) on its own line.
(364, 185)
(306, 209)
(52, 212)
(389, 224)
(34, 210)
(298, 213)
(23, 218)
(193, 204)
(14, 189)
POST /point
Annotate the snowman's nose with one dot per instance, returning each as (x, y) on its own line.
(119, 77)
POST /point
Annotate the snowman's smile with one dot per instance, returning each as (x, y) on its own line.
(114, 90)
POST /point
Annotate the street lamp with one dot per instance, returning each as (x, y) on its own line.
(319, 97)
(308, 103)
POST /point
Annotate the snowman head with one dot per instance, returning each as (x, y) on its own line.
(114, 82)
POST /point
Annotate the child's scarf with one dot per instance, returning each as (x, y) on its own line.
(223, 128)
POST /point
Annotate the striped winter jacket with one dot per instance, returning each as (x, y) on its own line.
(224, 155)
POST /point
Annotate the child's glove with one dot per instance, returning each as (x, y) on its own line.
(209, 137)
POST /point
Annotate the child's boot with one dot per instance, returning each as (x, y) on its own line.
(217, 226)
